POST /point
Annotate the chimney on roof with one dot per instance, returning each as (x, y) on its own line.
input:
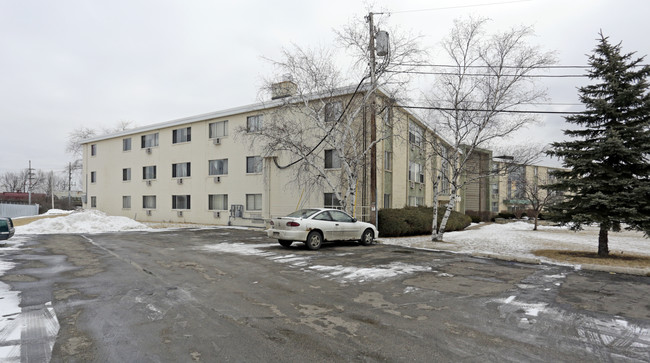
(284, 88)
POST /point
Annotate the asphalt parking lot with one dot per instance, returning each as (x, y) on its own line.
(217, 295)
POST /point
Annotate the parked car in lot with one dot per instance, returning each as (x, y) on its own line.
(6, 228)
(316, 225)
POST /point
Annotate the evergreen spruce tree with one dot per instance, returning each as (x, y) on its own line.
(609, 156)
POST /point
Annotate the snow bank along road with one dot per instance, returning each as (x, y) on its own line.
(219, 295)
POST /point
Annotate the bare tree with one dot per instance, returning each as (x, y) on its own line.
(320, 126)
(20, 182)
(317, 127)
(77, 136)
(537, 197)
(489, 77)
(14, 181)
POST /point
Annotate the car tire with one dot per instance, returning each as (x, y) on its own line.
(285, 243)
(367, 237)
(314, 240)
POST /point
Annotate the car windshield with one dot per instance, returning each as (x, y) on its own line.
(303, 213)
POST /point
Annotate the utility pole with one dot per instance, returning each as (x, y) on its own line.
(373, 124)
(69, 182)
(29, 183)
(52, 187)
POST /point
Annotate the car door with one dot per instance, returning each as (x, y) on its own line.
(345, 225)
(325, 222)
(4, 229)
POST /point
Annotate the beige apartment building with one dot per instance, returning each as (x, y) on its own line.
(204, 169)
(508, 191)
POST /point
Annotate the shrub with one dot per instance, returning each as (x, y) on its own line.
(413, 221)
(475, 218)
(483, 216)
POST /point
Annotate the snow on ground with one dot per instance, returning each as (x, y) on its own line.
(10, 310)
(339, 273)
(517, 239)
(89, 221)
(57, 211)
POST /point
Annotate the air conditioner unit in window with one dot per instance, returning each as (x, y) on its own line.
(217, 214)
(217, 179)
(149, 212)
(180, 213)
(179, 181)
(148, 150)
(412, 185)
(149, 182)
(216, 141)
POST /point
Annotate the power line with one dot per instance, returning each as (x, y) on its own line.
(492, 75)
(488, 66)
(531, 103)
(356, 90)
(457, 7)
(499, 111)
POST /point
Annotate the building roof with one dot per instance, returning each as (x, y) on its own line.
(236, 111)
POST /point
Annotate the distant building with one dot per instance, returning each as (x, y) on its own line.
(21, 198)
(508, 193)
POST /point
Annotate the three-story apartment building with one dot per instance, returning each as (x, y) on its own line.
(204, 169)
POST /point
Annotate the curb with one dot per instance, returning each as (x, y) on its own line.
(589, 267)
(536, 261)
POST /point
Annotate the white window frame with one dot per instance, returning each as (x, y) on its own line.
(149, 140)
(388, 160)
(149, 202)
(416, 172)
(126, 174)
(181, 170)
(254, 164)
(147, 171)
(330, 200)
(181, 202)
(126, 144)
(218, 129)
(254, 123)
(254, 202)
(182, 135)
(217, 201)
(416, 134)
(218, 167)
(333, 111)
(332, 159)
(126, 202)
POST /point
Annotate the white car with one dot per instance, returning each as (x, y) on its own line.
(313, 226)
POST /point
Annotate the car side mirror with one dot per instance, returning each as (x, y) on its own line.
(354, 220)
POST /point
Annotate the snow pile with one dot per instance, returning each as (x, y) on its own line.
(517, 239)
(57, 211)
(10, 307)
(91, 221)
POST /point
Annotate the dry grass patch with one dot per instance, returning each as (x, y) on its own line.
(27, 220)
(580, 257)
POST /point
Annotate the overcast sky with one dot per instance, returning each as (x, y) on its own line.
(72, 63)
